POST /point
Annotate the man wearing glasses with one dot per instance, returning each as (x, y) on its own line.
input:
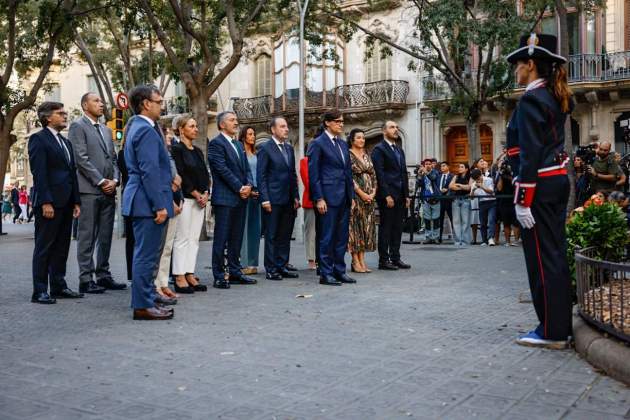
(147, 198)
(55, 203)
(332, 191)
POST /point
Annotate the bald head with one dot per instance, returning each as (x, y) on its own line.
(603, 150)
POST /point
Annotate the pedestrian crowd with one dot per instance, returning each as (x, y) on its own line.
(168, 186)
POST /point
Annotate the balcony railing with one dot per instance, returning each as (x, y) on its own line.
(347, 97)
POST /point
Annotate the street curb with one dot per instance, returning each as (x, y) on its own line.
(601, 351)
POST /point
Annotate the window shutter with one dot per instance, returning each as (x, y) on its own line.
(626, 25)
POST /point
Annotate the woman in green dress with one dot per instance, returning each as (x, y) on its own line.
(362, 224)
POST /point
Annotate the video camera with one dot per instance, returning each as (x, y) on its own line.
(587, 153)
(505, 170)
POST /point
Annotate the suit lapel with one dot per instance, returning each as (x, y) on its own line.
(230, 150)
(91, 129)
(332, 147)
(278, 153)
(390, 152)
(56, 146)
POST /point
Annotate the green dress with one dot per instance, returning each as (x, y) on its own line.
(362, 222)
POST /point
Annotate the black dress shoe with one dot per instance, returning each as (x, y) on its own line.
(242, 280)
(387, 266)
(344, 278)
(42, 298)
(165, 300)
(401, 264)
(91, 288)
(66, 294)
(329, 281)
(200, 287)
(187, 290)
(273, 276)
(221, 284)
(289, 275)
(290, 267)
(109, 283)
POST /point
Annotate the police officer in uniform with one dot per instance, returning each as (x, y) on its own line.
(535, 140)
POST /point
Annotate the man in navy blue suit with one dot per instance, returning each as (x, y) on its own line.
(332, 189)
(55, 203)
(277, 183)
(392, 196)
(231, 185)
(147, 198)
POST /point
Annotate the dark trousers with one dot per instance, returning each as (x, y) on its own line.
(229, 224)
(52, 242)
(390, 230)
(333, 240)
(446, 208)
(487, 218)
(146, 257)
(278, 229)
(130, 242)
(17, 211)
(545, 256)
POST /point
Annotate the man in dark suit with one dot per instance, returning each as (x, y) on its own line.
(332, 190)
(98, 177)
(147, 199)
(392, 196)
(56, 202)
(446, 205)
(231, 185)
(277, 183)
(15, 201)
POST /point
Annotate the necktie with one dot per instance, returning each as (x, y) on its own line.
(158, 130)
(336, 143)
(238, 154)
(100, 135)
(284, 153)
(396, 152)
(442, 181)
(64, 149)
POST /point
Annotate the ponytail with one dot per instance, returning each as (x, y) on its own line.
(561, 89)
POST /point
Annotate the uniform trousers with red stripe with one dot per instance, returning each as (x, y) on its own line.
(545, 256)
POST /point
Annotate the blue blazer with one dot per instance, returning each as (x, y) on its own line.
(55, 179)
(277, 181)
(229, 172)
(391, 173)
(149, 186)
(330, 177)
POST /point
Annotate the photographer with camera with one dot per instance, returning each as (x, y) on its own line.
(603, 171)
(426, 181)
(505, 205)
(483, 189)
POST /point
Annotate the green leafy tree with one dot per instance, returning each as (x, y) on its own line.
(203, 41)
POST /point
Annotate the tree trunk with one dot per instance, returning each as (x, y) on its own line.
(474, 145)
(6, 141)
(199, 110)
(561, 11)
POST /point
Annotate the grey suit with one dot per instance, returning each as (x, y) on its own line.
(96, 161)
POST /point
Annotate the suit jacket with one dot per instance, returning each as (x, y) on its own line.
(391, 173)
(277, 180)
(449, 177)
(96, 159)
(330, 177)
(54, 177)
(229, 172)
(148, 188)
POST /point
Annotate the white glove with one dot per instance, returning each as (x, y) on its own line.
(525, 216)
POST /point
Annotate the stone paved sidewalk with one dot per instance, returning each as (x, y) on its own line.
(432, 342)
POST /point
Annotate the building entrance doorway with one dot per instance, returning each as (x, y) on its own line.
(457, 144)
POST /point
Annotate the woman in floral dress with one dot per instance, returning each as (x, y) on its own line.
(362, 223)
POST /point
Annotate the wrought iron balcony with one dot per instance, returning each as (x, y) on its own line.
(356, 98)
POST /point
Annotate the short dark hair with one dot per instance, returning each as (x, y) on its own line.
(433, 160)
(332, 115)
(273, 121)
(444, 163)
(385, 123)
(475, 173)
(221, 116)
(353, 134)
(85, 97)
(139, 94)
(45, 110)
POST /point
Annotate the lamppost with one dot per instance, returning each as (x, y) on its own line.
(302, 8)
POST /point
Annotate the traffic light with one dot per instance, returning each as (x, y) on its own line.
(117, 119)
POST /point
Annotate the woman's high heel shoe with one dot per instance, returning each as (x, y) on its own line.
(354, 270)
(187, 290)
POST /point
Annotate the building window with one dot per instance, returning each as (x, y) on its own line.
(377, 66)
(324, 69)
(549, 25)
(180, 89)
(53, 93)
(91, 84)
(262, 83)
(591, 37)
